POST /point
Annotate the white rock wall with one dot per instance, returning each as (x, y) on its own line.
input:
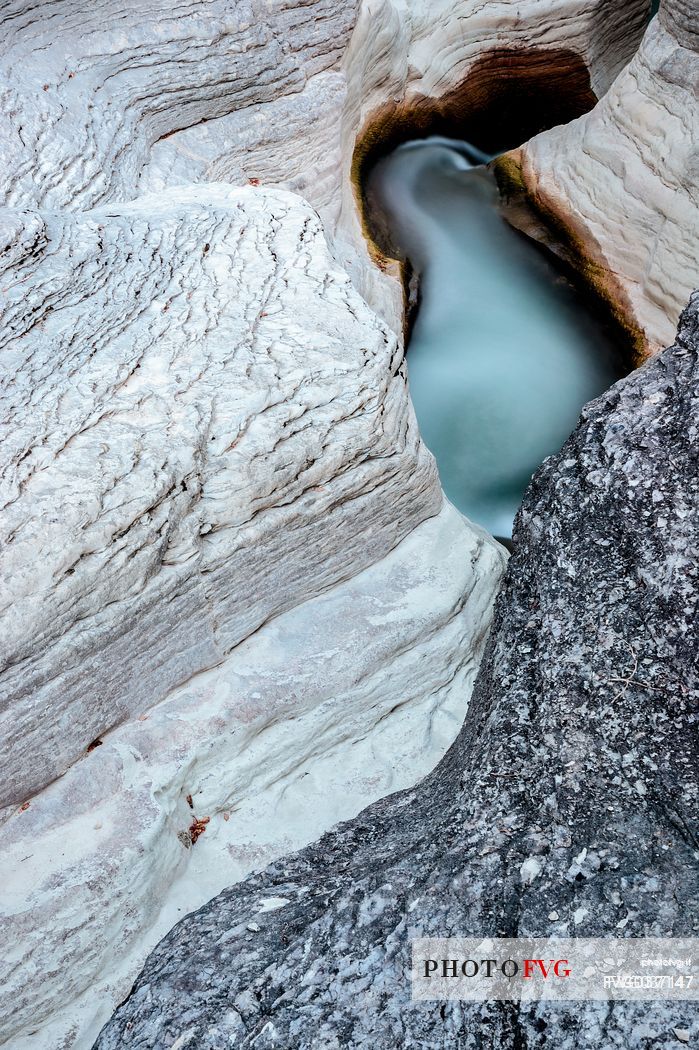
(343, 699)
(87, 89)
(294, 142)
(203, 424)
(628, 174)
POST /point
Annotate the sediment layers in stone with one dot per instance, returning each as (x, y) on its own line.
(204, 425)
(624, 179)
(324, 709)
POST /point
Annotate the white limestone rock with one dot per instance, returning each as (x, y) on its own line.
(203, 425)
(88, 89)
(326, 708)
(294, 141)
(626, 175)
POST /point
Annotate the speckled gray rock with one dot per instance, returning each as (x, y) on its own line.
(580, 737)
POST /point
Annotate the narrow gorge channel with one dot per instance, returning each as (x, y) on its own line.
(504, 350)
(349, 525)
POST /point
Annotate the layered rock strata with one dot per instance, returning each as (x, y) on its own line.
(324, 709)
(567, 805)
(624, 180)
(204, 425)
(89, 90)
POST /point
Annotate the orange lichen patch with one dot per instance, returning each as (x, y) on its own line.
(198, 827)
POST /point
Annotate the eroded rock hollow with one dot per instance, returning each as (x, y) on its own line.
(236, 607)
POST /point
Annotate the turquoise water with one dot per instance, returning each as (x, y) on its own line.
(504, 352)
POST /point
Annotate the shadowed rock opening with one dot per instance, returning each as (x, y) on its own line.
(509, 95)
(503, 352)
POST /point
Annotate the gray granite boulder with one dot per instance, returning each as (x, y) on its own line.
(567, 806)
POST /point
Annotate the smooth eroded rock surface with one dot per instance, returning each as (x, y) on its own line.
(578, 762)
(625, 177)
(329, 706)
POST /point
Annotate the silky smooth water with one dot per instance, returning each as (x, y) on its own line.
(504, 352)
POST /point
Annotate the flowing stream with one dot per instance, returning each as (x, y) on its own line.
(504, 351)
